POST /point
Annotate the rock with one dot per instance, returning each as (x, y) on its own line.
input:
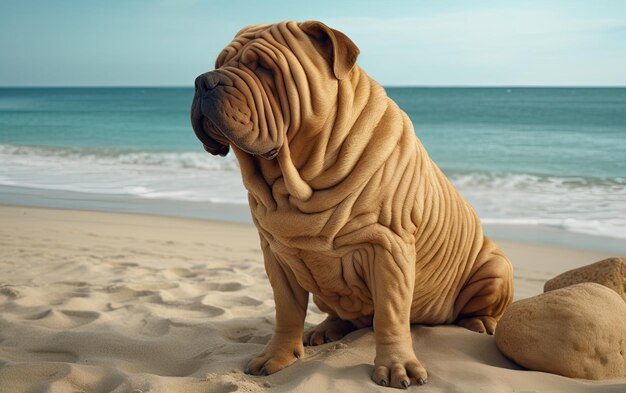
(609, 272)
(578, 331)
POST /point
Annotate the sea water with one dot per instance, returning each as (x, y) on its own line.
(530, 157)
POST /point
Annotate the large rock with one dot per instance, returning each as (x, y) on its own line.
(578, 331)
(609, 272)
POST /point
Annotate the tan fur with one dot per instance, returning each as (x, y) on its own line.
(351, 209)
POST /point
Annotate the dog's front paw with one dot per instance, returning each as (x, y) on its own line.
(274, 358)
(398, 369)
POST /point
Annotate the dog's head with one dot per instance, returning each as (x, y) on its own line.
(270, 81)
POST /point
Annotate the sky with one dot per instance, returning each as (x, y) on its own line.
(402, 43)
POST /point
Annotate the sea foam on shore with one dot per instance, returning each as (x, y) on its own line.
(575, 204)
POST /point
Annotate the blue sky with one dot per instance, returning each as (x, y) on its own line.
(169, 42)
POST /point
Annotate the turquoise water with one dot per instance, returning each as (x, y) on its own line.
(143, 119)
(522, 156)
(542, 131)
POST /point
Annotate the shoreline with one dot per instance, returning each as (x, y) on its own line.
(533, 262)
(239, 213)
(101, 301)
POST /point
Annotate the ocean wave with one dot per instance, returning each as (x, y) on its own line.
(594, 206)
(615, 228)
(187, 176)
(111, 156)
(508, 180)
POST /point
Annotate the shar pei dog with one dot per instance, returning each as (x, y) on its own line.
(348, 204)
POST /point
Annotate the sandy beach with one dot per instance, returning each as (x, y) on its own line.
(110, 302)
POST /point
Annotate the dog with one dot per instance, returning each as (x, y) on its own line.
(348, 204)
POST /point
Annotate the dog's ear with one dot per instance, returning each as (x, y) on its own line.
(340, 49)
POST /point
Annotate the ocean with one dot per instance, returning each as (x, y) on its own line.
(528, 159)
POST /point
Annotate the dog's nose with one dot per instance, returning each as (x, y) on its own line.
(206, 82)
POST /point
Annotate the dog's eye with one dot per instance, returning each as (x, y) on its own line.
(249, 59)
(263, 63)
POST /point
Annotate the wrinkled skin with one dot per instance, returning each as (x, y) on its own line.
(348, 205)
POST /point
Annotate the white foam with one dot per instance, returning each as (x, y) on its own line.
(178, 160)
(590, 206)
(182, 176)
(576, 204)
(614, 228)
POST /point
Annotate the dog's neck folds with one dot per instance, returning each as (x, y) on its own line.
(323, 156)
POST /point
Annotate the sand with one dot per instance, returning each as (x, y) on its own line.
(106, 302)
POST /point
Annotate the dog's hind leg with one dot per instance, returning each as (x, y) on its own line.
(487, 293)
(331, 329)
